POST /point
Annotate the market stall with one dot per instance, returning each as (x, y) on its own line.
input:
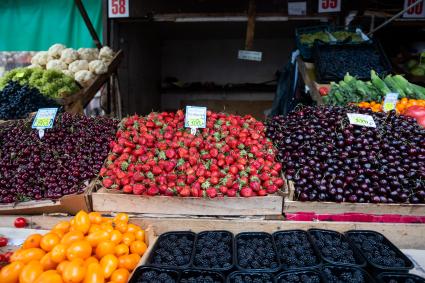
(202, 181)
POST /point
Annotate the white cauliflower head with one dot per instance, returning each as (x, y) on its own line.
(106, 54)
(88, 54)
(55, 50)
(68, 73)
(69, 55)
(98, 67)
(84, 77)
(57, 65)
(78, 66)
(40, 58)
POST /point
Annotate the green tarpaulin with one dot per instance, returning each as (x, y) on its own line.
(35, 25)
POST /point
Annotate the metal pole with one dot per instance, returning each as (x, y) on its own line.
(394, 17)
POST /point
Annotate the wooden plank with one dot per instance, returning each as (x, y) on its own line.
(308, 75)
(290, 205)
(267, 205)
(405, 236)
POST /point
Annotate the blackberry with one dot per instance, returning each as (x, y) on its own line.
(173, 249)
(251, 278)
(334, 274)
(256, 251)
(300, 276)
(333, 246)
(294, 249)
(155, 275)
(213, 249)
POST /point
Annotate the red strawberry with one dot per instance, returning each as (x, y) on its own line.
(211, 192)
(138, 189)
(170, 153)
(223, 190)
(107, 183)
(128, 189)
(246, 192)
(272, 189)
(262, 193)
(138, 176)
(185, 192)
(231, 193)
(255, 186)
(156, 170)
(153, 191)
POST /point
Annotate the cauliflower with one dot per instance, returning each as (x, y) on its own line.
(78, 66)
(69, 55)
(55, 50)
(68, 73)
(57, 65)
(88, 54)
(40, 58)
(84, 77)
(106, 54)
(98, 67)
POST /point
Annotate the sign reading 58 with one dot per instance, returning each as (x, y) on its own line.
(327, 6)
(416, 11)
(118, 8)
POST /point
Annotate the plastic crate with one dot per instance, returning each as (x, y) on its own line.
(345, 59)
(337, 270)
(374, 267)
(284, 276)
(359, 260)
(306, 50)
(265, 277)
(142, 269)
(399, 278)
(188, 273)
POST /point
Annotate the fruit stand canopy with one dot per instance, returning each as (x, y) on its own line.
(28, 25)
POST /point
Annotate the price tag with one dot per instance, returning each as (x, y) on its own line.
(196, 117)
(417, 11)
(361, 120)
(329, 6)
(390, 101)
(250, 55)
(44, 119)
(118, 8)
(297, 8)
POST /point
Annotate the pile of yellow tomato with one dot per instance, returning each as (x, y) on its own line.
(89, 249)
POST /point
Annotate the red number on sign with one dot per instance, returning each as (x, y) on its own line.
(325, 4)
(333, 3)
(115, 8)
(122, 6)
(415, 10)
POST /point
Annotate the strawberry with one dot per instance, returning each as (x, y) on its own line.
(138, 189)
(128, 189)
(211, 192)
(153, 191)
(138, 176)
(185, 192)
(107, 183)
(246, 192)
(231, 193)
(223, 190)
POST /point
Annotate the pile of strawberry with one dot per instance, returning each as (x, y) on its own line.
(157, 155)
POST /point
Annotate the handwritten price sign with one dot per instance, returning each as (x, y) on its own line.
(417, 11)
(44, 118)
(196, 117)
(118, 8)
(361, 120)
(329, 6)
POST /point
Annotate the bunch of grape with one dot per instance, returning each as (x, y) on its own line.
(17, 101)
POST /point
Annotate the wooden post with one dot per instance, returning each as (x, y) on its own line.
(250, 28)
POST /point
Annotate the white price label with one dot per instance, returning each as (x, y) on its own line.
(417, 11)
(196, 117)
(390, 101)
(297, 8)
(118, 8)
(361, 120)
(329, 6)
(44, 118)
(250, 55)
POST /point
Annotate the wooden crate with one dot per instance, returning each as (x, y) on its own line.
(66, 204)
(308, 74)
(291, 205)
(106, 201)
(75, 103)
